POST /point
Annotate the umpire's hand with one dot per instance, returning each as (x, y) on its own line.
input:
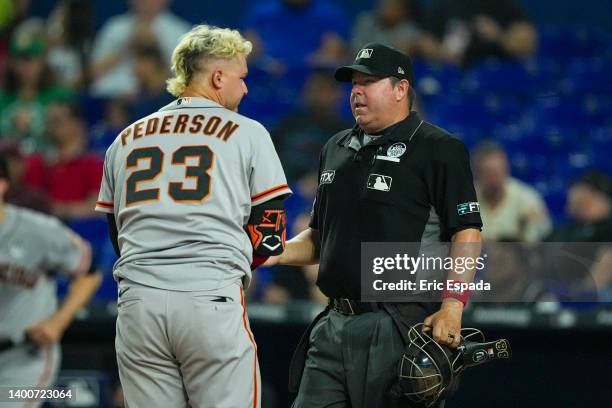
(446, 323)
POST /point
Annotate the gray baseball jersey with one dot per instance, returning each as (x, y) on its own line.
(32, 245)
(181, 183)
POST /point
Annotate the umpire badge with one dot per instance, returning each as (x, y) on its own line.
(396, 150)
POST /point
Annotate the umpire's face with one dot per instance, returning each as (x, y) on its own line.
(376, 102)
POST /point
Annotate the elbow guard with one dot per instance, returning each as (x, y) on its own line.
(266, 229)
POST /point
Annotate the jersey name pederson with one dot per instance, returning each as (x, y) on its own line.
(180, 124)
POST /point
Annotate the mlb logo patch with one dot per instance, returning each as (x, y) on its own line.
(327, 177)
(379, 182)
(365, 53)
(468, 208)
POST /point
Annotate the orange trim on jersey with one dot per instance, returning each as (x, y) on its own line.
(269, 192)
(246, 327)
(86, 257)
(43, 380)
(105, 204)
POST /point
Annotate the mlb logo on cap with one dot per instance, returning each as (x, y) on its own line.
(378, 60)
(365, 53)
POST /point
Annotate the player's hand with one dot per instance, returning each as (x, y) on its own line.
(46, 332)
(445, 324)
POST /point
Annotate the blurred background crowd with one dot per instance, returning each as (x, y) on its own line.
(532, 101)
(527, 91)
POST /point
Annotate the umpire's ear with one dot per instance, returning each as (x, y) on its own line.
(400, 90)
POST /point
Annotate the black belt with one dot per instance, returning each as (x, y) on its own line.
(353, 307)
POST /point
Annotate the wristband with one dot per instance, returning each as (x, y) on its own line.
(453, 290)
(258, 260)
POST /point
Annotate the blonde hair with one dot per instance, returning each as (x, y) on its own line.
(203, 43)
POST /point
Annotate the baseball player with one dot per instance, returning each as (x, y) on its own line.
(194, 195)
(33, 246)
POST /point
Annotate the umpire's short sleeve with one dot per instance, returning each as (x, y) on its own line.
(451, 187)
(314, 213)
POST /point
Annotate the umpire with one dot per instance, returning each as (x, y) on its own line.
(391, 178)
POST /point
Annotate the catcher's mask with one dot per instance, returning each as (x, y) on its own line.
(428, 370)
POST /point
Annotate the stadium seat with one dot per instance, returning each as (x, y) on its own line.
(495, 76)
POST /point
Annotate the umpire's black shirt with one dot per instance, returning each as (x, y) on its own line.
(411, 184)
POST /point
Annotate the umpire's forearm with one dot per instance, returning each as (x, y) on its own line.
(466, 244)
(303, 249)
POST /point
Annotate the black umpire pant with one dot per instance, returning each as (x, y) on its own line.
(352, 360)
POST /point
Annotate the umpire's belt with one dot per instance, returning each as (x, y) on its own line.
(353, 307)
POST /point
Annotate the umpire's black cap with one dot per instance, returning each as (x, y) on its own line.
(380, 60)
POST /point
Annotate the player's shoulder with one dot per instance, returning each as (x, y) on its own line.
(249, 123)
(33, 220)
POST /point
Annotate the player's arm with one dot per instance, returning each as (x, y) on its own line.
(113, 234)
(81, 289)
(71, 254)
(266, 229)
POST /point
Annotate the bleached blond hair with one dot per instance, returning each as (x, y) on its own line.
(199, 45)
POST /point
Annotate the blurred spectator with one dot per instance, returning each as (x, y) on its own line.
(465, 31)
(28, 88)
(151, 72)
(589, 207)
(509, 207)
(70, 31)
(512, 269)
(147, 21)
(19, 193)
(116, 118)
(294, 283)
(68, 174)
(298, 33)
(12, 13)
(391, 22)
(300, 136)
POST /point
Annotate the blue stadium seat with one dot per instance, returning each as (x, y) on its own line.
(558, 112)
(93, 229)
(92, 107)
(495, 76)
(565, 44)
(473, 110)
(436, 79)
(589, 76)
